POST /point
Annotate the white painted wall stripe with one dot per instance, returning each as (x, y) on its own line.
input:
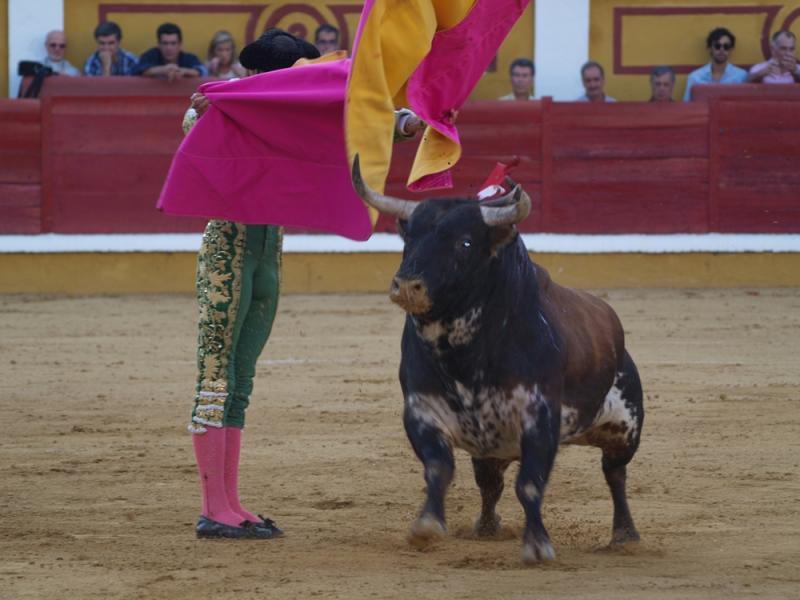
(562, 46)
(28, 24)
(385, 242)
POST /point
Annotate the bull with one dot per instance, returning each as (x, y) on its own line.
(502, 362)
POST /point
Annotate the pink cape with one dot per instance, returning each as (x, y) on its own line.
(270, 150)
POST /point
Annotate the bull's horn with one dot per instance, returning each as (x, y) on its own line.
(395, 207)
(508, 209)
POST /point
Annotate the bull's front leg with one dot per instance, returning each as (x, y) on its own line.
(434, 450)
(539, 442)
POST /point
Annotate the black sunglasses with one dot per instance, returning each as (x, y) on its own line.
(54, 45)
(725, 47)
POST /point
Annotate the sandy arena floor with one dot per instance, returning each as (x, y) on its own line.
(99, 493)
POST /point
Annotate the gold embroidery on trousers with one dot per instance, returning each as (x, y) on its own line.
(219, 285)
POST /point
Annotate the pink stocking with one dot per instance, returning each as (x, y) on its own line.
(233, 444)
(209, 450)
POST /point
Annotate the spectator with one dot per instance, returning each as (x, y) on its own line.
(594, 81)
(222, 60)
(521, 71)
(782, 67)
(56, 45)
(720, 43)
(167, 60)
(662, 84)
(326, 38)
(109, 58)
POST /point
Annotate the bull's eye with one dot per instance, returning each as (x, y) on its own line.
(466, 243)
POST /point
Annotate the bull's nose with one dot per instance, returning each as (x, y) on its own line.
(412, 295)
(394, 289)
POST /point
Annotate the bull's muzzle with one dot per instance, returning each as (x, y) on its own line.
(411, 295)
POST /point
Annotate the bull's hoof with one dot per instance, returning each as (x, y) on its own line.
(624, 536)
(426, 530)
(487, 527)
(537, 551)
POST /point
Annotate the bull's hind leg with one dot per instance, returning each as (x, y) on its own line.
(624, 530)
(436, 454)
(489, 477)
(623, 416)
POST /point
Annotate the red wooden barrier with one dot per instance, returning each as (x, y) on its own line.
(758, 165)
(107, 146)
(20, 166)
(628, 168)
(93, 156)
(745, 91)
(754, 157)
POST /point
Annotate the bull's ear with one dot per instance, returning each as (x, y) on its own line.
(500, 236)
(402, 227)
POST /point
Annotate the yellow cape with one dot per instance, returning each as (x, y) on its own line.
(395, 38)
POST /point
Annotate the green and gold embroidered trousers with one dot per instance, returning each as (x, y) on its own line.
(238, 283)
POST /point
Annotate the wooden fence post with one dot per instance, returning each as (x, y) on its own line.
(713, 165)
(46, 119)
(547, 163)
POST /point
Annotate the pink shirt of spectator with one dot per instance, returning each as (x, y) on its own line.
(782, 77)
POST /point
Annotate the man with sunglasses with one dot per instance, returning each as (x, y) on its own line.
(782, 68)
(56, 45)
(326, 38)
(720, 44)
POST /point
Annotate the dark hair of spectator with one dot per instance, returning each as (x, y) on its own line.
(719, 33)
(785, 32)
(168, 29)
(662, 70)
(108, 28)
(589, 65)
(325, 28)
(522, 62)
(275, 49)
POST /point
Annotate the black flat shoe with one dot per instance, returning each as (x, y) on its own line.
(208, 529)
(267, 527)
(264, 530)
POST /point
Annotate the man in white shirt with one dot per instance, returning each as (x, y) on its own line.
(521, 72)
(56, 45)
(594, 83)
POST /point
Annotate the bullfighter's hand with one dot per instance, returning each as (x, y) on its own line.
(412, 125)
(200, 103)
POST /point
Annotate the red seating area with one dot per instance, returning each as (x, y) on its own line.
(91, 155)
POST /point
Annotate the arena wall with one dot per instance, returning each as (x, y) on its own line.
(726, 164)
(310, 273)
(90, 157)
